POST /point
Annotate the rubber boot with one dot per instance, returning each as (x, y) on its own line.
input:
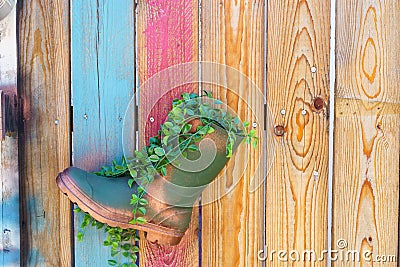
(170, 197)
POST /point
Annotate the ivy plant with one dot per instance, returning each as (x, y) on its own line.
(174, 139)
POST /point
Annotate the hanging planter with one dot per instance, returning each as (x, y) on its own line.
(157, 187)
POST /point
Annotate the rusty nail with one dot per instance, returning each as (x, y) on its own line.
(279, 130)
(318, 103)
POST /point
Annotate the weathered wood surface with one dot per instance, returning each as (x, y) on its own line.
(232, 226)
(44, 89)
(103, 78)
(366, 165)
(296, 186)
(9, 177)
(167, 34)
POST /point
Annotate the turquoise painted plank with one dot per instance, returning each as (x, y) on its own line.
(103, 78)
(9, 177)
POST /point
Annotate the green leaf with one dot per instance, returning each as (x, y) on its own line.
(130, 182)
(186, 128)
(140, 190)
(159, 151)
(193, 147)
(168, 124)
(165, 140)
(142, 210)
(154, 158)
(114, 253)
(163, 171)
(112, 262)
(79, 236)
(126, 246)
(134, 199)
(143, 202)
(140, 220)
(246, 124)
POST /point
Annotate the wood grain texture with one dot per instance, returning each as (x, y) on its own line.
(44, 89)
(297, 186)
(9, 173)
(232, 226)
(103, 78)
(366, 167)
(167, 34)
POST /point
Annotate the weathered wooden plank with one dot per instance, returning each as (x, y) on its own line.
(232, 226)
(103, 77)
(9, 177)
(167, 35)
(44, 88)
(298, 89)
(366, 165)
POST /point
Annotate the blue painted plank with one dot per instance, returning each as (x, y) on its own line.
(9, 178)
(103, 76)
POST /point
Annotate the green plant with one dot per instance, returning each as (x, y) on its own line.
(174, 139)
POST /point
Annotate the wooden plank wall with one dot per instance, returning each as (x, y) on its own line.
(104, 65)
(103, 76)
(9, 176)
(44, 89)
(297, 184)
(366, 169)
(167, 34)
(233, 35)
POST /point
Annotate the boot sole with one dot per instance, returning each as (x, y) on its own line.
(106, 215)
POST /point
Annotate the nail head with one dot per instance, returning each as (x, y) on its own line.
(283, 111)
(313, 69)
(279, 130)
(85, 116)
(303, 112)
(254, 124)
(151, 119)
(318, 103)
(56, 122)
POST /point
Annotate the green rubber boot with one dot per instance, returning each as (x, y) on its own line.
(171, 197)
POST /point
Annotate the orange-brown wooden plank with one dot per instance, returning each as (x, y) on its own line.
(232, 226)
(297, 73)
(44, 88)
(367, 130)
(167, 34)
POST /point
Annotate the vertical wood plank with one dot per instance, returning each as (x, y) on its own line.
(366, 167)
(232, 226)
(103, 77)
(9, 176)
(44, 89)
(167, 35)
(296, 195)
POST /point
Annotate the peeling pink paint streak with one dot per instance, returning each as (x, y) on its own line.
(169, 34)
(169, 40)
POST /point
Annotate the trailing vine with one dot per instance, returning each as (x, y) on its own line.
(174, 138)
